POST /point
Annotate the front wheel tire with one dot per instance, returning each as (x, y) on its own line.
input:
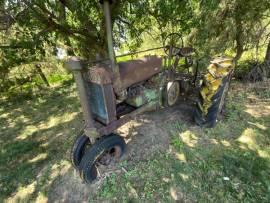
(79, 147)
(171, 93)
(103, 152)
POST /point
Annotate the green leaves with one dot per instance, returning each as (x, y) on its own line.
(212, 27)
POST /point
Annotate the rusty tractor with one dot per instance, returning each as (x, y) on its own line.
(112, 93)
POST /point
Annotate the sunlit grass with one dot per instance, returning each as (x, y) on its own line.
(35, 138)
(229, 163)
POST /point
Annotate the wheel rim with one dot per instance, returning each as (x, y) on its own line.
(105, 159)
(172, 92)
(110, 155)
(101, 154)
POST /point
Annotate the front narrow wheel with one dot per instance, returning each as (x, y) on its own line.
(79, 147)
(172, 92)
(106, 150)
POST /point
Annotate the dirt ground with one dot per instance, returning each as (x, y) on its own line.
(145, 135)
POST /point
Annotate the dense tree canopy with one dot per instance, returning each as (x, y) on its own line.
(31, 30)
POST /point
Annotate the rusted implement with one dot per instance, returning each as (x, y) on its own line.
(112, 93)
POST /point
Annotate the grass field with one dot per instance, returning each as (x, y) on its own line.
(230, 163)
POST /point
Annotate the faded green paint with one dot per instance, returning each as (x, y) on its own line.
(150, 94)
(146, 96)
(135, 101)
(153, 95)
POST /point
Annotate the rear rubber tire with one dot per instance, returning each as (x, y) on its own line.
(217, 106)
(88, 165)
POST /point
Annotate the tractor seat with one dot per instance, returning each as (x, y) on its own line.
(135, 71)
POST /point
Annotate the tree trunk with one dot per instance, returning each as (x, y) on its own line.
(239, 35)
(239, 51)
(239, 40)
(267, 54)
(42, 75)
(261, 71)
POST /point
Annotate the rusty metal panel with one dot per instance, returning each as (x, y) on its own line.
(135, 71)
(105, 130)
(110, 102)
(99, 75)
(82, 90)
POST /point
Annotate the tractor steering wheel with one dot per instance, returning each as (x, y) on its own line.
(172, 43)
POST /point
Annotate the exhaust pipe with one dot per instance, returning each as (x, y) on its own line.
(108, 22)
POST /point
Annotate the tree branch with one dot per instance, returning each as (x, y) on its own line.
(30, 44)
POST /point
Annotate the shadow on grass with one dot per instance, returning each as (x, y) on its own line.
(35, 137)
(168, 158)
(230, 163)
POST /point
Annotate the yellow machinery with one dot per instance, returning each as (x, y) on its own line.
(213, 91)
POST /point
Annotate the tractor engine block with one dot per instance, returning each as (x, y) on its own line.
(142, 94)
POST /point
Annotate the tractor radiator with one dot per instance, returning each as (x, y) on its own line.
(102, 102)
